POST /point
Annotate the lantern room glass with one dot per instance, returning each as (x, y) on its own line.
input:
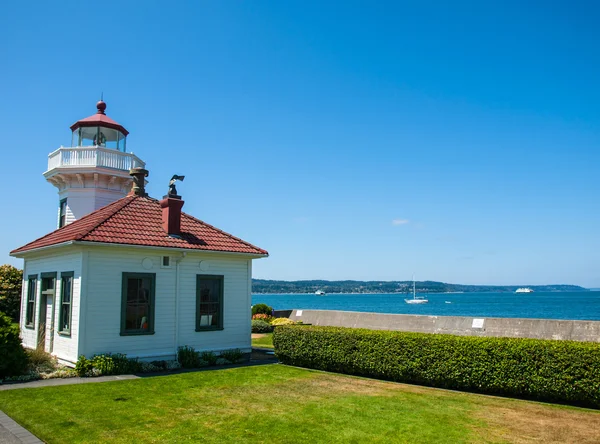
(99, 136)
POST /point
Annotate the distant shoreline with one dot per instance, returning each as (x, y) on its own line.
(422, 292)
(391, 287)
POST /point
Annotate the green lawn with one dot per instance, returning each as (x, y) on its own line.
(276, 403)
(265, 341)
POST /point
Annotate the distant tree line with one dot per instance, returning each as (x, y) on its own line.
(311, 286)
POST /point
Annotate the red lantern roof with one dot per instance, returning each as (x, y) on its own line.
(99, 119)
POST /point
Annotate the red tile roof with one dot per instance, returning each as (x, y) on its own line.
(135, 220)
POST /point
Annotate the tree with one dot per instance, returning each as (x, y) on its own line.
(11, 280)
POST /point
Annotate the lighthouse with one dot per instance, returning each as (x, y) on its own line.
(94, 171)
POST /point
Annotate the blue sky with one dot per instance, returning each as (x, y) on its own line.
(459, 141)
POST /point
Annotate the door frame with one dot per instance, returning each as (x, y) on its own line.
(48, 295)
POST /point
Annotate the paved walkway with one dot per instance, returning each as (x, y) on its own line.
(65, 381)
(13, 433)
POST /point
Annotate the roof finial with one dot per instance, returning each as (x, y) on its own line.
(101, 105)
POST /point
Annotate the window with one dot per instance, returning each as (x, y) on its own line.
(31, 294)
(209, 302)
(166, 262)
(66, 298)
(137, 310)
(62, 213)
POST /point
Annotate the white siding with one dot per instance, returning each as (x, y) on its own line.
(82, 201)
(236, 304)
(102, 306)
(65, 347)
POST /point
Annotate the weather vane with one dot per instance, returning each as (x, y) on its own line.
(172, 190)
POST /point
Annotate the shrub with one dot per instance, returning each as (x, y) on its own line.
(83, 367)
(14, 358)
(115, 364)
(260, 326)
(104, 364)
(107, 364)
(557, 371)
(188, 357)
(234, 355)
(282, 321)
(209, 357)
(173, 365)
(262, 317)
(150, 367)
(160, 365)
(262, 308)
(40, 361)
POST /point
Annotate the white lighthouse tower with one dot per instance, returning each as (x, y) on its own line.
(94, 171)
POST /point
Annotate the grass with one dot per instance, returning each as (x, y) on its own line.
(276, 403)
(262, 340)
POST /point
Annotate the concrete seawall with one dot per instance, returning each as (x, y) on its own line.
(586, 331)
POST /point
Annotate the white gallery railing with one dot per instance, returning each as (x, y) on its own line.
(93, 156)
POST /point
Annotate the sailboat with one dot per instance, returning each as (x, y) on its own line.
(416, 299)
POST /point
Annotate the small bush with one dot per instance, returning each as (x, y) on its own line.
(259, 326)
(234, 355)
(115, 364)
(161, 365)
(209, 357)
(14, 358)
(104, 364)
(41, 362)
(188, 357)
(547, 370)
(173, 365)
(83, 367)
(38, 357)
(149, 367)
(124, 365)
(262, 308)
(282, 321)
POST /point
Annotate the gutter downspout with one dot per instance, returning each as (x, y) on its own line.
(176, 314)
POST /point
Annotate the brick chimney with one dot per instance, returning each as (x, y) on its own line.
(171, 214)
(138, 188)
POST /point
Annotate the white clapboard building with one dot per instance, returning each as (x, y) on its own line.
(126, 273)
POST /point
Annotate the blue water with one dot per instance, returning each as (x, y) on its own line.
(568, 305)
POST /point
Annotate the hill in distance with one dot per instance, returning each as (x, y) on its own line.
(311, 286)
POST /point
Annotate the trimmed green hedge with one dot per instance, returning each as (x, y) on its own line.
(558, 371)
(260, 326)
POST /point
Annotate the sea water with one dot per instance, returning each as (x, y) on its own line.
(583, 305)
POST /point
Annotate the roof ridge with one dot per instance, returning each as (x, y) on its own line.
(224, 232)
(137, 220)
(78, 222)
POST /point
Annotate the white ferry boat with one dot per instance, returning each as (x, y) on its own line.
(524, 290)
(320, 293)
